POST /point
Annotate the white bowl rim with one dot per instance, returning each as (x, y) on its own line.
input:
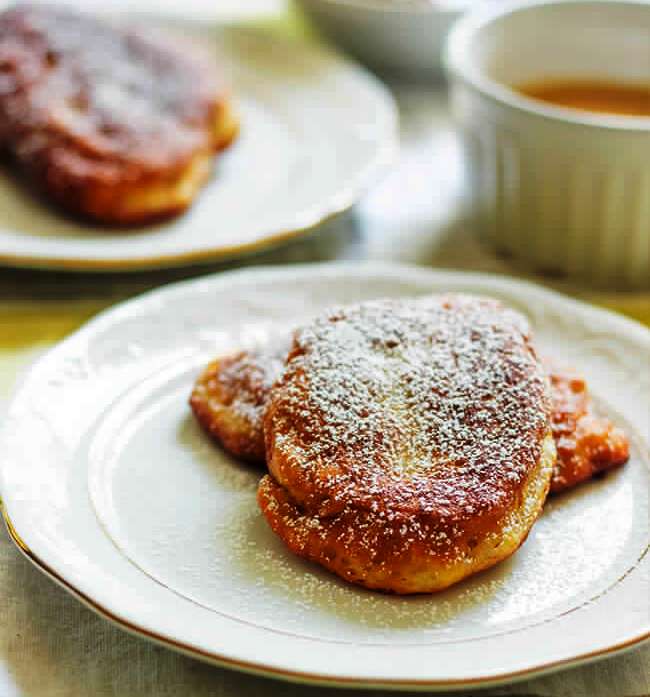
(456, 65)
(395, 8)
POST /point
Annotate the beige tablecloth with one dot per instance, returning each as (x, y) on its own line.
(51, 646)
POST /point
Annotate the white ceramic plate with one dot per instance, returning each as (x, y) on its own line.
(316, 130)
(111, 488)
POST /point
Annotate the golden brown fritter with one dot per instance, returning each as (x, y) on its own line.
(408, 441)
(587, 444)
(230, 396)
(111, 124)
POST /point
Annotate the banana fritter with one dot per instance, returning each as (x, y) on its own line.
(587, 444)
(111, 124)
(408, 441)
(230, 396)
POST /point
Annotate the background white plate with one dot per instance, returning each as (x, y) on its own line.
(316, 130)
(110, 487)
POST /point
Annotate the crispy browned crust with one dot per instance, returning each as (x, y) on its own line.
(587, 444)
(402, 553)
(110, 124)
(408, 442)
(230, 396)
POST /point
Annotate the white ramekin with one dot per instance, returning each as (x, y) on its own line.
(562, 191)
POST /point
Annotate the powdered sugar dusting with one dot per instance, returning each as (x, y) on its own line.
(436, 405)
(251, 376)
